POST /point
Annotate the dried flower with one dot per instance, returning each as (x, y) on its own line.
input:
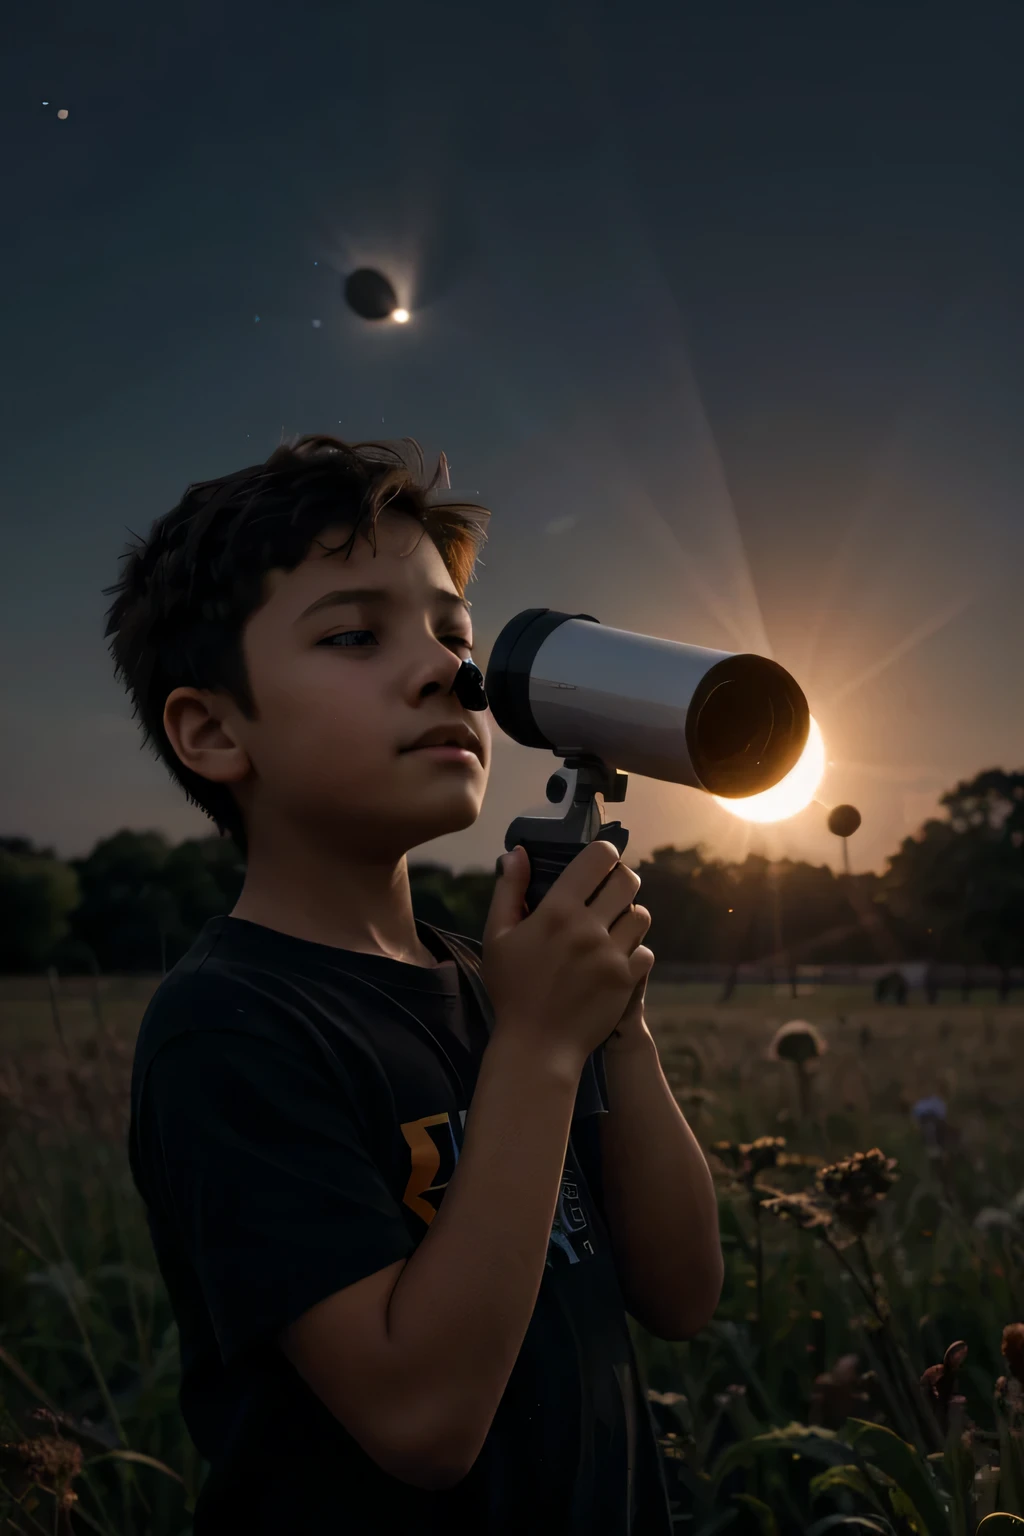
(800, 1208)
(1013, 1349)
(857, 1185)
(1009, 1400)
(49, 1461)
(748, 1159)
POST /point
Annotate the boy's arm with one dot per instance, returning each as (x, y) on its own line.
(454, 1320)
(659, 1196)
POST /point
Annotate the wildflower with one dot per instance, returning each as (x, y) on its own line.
(930, 1116)
(857, 1185)
(932, 1108)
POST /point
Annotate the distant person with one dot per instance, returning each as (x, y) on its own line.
(399, 1267)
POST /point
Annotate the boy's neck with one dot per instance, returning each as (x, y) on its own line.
(367, 910)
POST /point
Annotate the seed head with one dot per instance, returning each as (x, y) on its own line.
(798, 1042)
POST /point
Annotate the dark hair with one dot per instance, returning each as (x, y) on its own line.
(187, 591)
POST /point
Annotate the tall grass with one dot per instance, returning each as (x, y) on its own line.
(821, 1326)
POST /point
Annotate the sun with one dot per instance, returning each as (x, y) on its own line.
(790, 794)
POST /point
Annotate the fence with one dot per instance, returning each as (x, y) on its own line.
(917, 975)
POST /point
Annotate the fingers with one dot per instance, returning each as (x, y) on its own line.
(641, 962)
(615, 895)
(580, 879)
(628, 930)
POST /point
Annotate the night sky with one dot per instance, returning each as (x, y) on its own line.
(718, 307)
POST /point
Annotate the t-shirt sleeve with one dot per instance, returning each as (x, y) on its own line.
(255, 1157)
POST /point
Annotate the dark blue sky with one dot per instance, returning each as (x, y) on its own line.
(719, 308)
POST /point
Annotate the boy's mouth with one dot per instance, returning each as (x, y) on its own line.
(455, 734)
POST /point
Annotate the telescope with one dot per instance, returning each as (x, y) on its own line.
(608, 703)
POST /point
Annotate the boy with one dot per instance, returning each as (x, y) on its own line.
(399, 1282)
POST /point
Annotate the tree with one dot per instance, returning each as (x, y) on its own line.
(144, 902)
(124, 909)
(37, 895)
(204, 876)
(958, 886)
(682, 890)
(954, 891)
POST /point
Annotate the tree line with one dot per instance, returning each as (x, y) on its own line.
(952, 893)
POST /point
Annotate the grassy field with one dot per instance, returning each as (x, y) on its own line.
(839, 1295)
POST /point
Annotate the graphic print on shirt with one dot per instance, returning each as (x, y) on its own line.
(434, 1152)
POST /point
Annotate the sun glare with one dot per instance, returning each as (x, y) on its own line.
(790, 794)
(400, 315)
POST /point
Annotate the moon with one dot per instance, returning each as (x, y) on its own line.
(371, 295)
(790, 794)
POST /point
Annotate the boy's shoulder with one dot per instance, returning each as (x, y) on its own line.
(203, 1001)
(213, 991)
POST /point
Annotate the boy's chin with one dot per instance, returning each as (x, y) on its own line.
(425, 822)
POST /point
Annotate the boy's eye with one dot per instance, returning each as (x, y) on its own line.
(349, 637)
(346, 637)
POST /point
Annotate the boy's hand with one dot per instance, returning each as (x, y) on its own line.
(563, 976)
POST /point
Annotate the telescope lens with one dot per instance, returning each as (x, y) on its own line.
(746, 727)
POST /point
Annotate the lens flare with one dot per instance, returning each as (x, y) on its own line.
(400, 315)
(790, 794)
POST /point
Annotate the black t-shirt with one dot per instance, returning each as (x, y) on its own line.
(296, 1113)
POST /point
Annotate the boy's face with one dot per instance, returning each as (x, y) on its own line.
(334, 716)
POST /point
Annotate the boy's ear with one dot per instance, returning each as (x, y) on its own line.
(202, 738)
